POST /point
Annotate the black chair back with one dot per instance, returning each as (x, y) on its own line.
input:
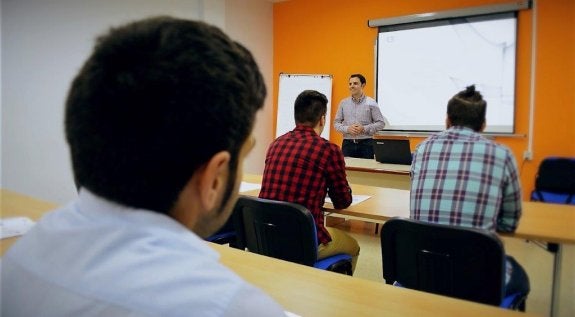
(555, 181)
(447, 260)
(278, 229)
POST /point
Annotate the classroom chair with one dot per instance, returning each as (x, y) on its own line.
(228, 233)
(285, 231)
(447, 260)
(555, 181)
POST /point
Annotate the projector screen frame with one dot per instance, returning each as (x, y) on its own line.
(421, 19)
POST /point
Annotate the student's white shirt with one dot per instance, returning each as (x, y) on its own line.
(97, 258)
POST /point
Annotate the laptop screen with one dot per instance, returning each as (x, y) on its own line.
(392, 151)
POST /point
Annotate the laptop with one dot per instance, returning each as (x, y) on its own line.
(392, 151)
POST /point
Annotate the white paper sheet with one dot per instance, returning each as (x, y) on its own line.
(13, 227)
(245, 186)
(356, 199)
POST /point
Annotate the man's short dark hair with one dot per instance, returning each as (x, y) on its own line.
(467, 108)
(360, 76)
(153, 103)
(309, 106)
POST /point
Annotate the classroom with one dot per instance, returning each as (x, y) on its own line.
(45, 42)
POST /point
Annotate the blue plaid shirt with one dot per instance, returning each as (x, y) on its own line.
(458, 177)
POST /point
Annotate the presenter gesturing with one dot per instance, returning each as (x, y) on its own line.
(358, 118)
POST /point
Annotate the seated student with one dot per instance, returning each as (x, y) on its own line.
(460, 178)
(302, 167)
(151, 185)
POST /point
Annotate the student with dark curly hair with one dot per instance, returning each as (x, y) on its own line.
(157, 159)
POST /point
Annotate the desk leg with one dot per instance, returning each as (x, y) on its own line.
(556, 249)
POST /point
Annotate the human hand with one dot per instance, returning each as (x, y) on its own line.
(355, 129)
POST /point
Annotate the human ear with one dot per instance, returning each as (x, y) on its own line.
(212, 180)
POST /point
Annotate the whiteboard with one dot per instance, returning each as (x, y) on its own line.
(290, 86)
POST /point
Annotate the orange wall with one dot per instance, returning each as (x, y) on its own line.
(332, 37)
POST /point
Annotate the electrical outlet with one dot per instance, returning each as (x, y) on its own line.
(528, 155)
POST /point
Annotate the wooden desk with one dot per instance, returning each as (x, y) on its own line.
(383, 204)
(371, 172)
(551, 223)
(548, 222)
(13, 204)
(303, 290)
(311, 292)
(540, 221)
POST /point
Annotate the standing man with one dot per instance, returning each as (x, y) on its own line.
(358, 118)
(151, 186)
(460, 178)
(302, 167)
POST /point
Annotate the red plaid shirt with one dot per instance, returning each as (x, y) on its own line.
(302, 167)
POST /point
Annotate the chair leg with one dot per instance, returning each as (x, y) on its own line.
(522, 305)
(234, 244)
(518, 303)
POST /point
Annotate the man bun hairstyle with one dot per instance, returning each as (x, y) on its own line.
(467, 108)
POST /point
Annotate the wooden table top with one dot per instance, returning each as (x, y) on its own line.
(547, 222)
(307, 291)
(13, 204)
(539, 221)
(303, 290)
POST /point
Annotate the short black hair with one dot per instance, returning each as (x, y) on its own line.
(309, 106)
(467, 108)
(155, 101)
(360, 76)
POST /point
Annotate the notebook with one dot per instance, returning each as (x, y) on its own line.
(392, 151)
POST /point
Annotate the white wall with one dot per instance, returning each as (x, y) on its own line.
(43, 45)
(251, 22)
(1, 99)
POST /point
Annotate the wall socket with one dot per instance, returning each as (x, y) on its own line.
(528, 155)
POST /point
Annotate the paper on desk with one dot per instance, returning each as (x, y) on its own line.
(245, 186)
(290, 314)
(355, 199)
(13, 227)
